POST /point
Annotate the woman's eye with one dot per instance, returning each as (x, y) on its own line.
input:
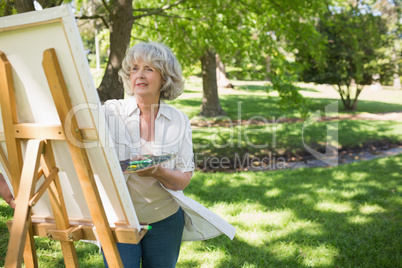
(150, 69)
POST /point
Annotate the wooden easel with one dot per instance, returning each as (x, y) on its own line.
(39, 160)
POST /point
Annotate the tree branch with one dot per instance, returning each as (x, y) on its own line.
(107, 7)
(173, 16)
(93, 17)
(157, 10)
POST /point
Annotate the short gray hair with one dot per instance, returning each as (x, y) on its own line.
(160, 57)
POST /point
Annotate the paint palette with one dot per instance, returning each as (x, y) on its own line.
(147, 161)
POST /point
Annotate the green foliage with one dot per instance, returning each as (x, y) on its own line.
(353, 53)
(283, 77)
(7, 8)
(257, 42)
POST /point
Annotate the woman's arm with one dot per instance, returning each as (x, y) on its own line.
(5, 192)
(178, 177)
(172, 179)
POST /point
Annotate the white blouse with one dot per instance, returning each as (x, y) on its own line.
(172, 136)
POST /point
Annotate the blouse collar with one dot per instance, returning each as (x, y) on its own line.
(132, 108)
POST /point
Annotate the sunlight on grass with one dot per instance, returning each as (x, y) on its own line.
(318, 256)
(370, 209)
(353, 193)
(358, 219)
(273, 192)
(335, 207)
(212, 256)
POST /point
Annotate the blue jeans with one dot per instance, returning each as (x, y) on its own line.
(160, 247)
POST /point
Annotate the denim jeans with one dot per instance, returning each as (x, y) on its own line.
(160, 247)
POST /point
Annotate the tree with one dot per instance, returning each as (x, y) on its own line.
(355, 37)
(198, 31)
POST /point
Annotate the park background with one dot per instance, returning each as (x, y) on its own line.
(259, 77)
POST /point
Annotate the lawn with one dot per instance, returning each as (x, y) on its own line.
(344, 216)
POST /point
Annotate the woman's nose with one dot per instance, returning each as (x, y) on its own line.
(140, 74)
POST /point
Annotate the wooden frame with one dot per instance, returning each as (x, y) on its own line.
(58, 158)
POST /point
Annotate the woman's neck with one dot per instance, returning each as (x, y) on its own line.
(148, 106)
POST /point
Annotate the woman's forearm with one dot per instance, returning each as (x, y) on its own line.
(5, 192)
(172, 179)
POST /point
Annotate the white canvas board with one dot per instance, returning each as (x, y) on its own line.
(23, 39)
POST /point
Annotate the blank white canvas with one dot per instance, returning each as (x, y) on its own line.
(23, 38)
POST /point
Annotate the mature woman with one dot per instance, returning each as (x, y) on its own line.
(144, 124)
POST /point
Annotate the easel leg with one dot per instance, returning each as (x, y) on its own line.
(48, 163)
(9, 115)
(30, 257)
(19, 229)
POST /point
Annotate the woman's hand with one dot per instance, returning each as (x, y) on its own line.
(150, 171)
(5, 192)
(171, 179)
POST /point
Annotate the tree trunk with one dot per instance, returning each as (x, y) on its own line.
(397, 82)
(221, 77)
(121, 22)
(396, 58)
(24, 6)
(210, 106)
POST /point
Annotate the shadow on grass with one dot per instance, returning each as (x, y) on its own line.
(350, 214)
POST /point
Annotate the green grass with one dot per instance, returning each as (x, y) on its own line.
(287, 138)
(345, 216)
(48, 251)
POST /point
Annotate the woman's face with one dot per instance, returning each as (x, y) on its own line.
(145, 79)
